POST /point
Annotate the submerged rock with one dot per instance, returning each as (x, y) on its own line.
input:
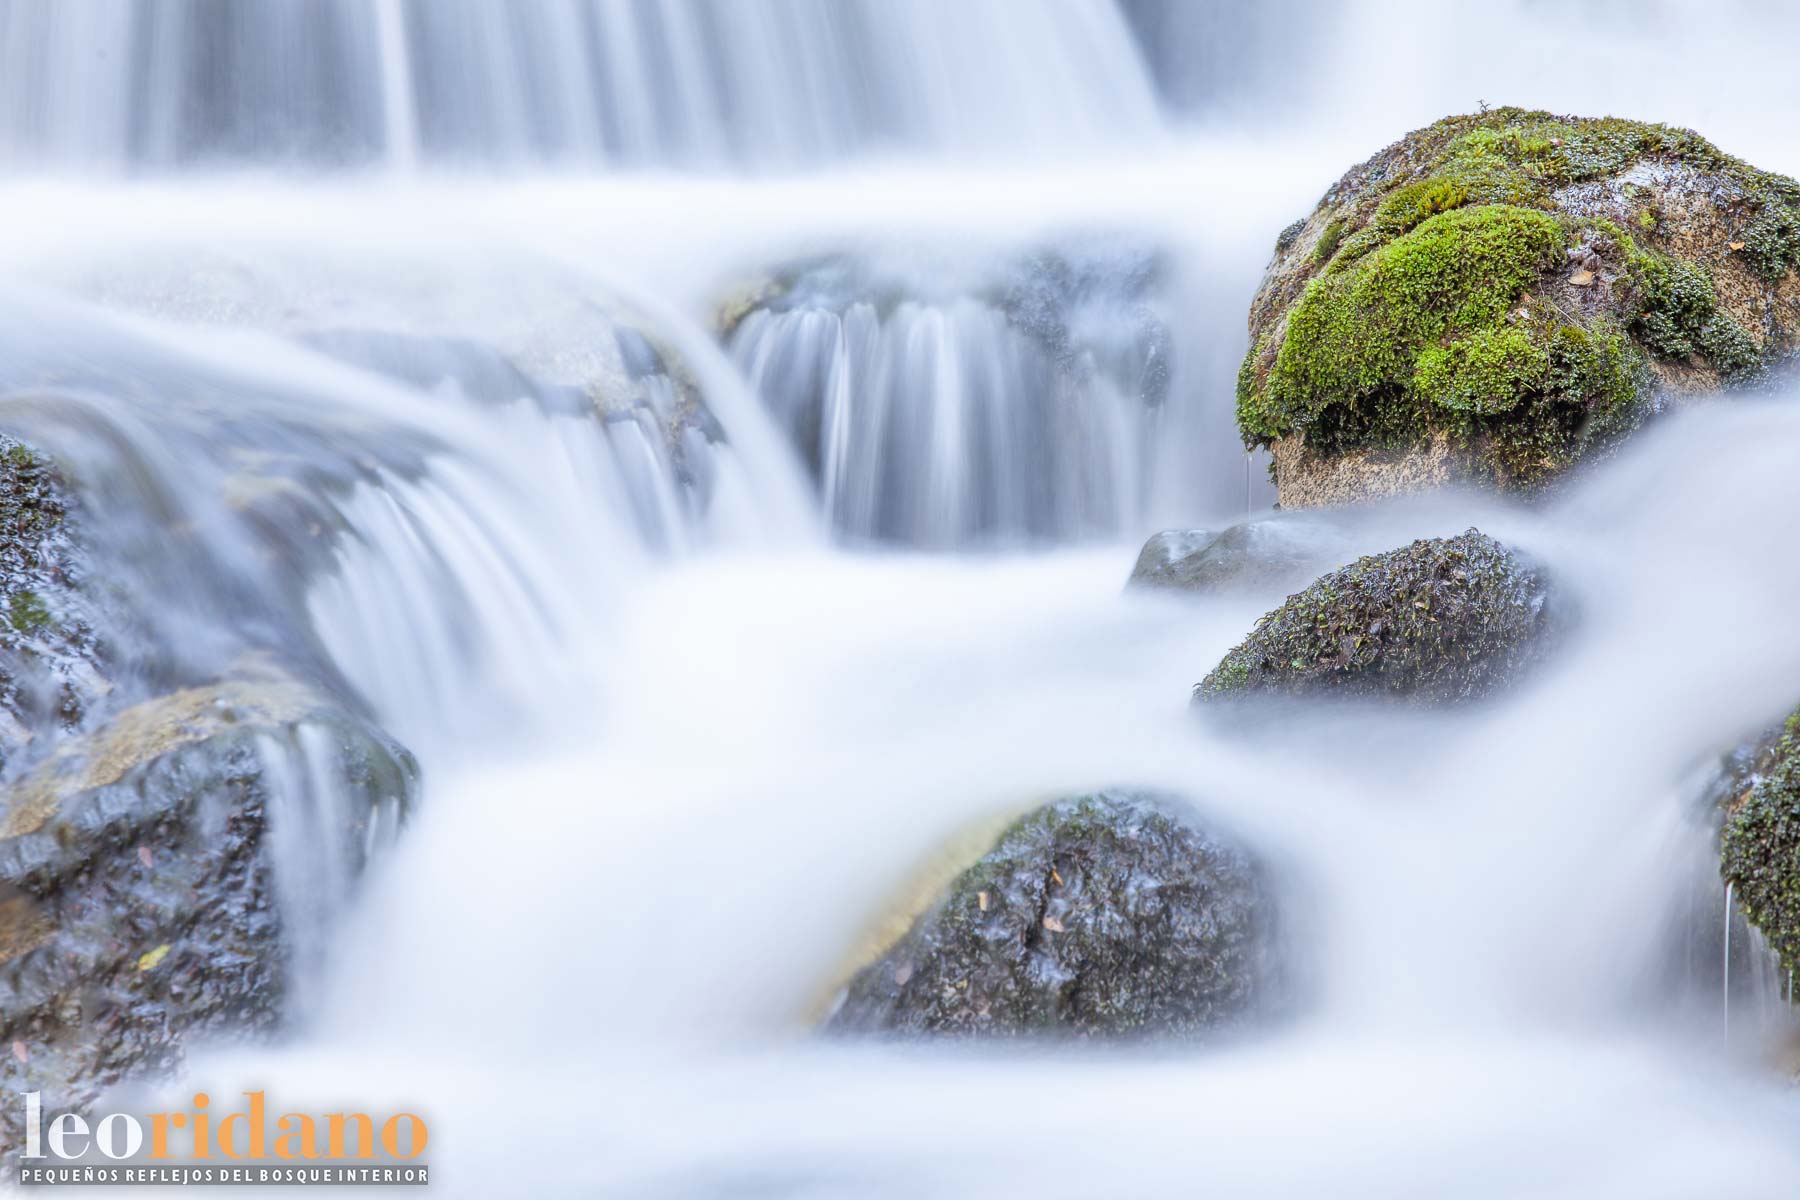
(1166, 557)
(1107, 916)
(1274, 552)
(1439, 621)
(138, 888)
(1499, 296)
(1760, 838)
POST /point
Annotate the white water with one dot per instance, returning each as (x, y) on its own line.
(142, 83)
(678, 750)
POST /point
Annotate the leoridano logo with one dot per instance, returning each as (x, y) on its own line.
(208, 1145)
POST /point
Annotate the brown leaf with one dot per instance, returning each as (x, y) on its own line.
(981, 899)
(1053, 925)
(1737, 245)
(1582, 279)
(145, 857)
(20, 1053)
(1056, 875)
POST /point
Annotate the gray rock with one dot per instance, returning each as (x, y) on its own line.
(1162, 561)
(1107, 916)
(1440, 621)
(1271, 553)
(137, 891)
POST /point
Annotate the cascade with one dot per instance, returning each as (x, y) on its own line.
(600, 646)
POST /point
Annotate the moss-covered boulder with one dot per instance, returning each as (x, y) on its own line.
(1499, 296)
(1760, 840)
(139, 878)
(1440, 621)
(1108, 916)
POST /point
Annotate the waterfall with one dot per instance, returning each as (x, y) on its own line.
(406, 557)
(1022, 406)
(697, 83)
(695, 448)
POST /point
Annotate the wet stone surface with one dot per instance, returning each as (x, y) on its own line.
(1441, 621)
(1115, 915)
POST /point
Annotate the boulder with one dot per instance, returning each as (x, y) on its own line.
(1271, 553)
(1760, 837)
(1500, 296)
(1115, 915)
(173, 843)
(138, 888)
(1440, 621)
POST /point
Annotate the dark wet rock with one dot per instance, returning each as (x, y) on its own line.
(1440, 621)
(138, 877)
(1758, 798)
(1500, 296)
(1114, 915)
(138, 903)
(49, 657)
(1271, 553)
(1165, 558)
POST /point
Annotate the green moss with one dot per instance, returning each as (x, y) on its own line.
(1761, 848)
(1286, 238)
(1431, 307)
(1354, 338)
(1414, 203)
(1491, 371)
(1329, 241)
(1772, 239)
(1231, 675)
(1675, 310)
(1588, 398)
(27, 612)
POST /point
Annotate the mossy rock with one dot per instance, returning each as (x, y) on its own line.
(1114, 916)
(1500, 296)
(1443, 620)
(1760, 840)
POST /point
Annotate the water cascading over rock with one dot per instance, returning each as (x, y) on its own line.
(227, 576)
(1017, 401)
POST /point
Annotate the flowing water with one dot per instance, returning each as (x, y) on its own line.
(713, 435)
